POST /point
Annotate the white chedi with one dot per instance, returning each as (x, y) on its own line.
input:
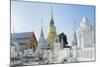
(74, 48)
(86, 42)
(85, 34)
(42, 45)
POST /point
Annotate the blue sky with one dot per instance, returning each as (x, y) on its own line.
(26, 17)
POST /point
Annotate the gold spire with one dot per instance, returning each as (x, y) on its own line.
(51, 12)
(52, 31)
(52, 19)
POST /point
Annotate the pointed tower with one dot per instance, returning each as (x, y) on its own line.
(74, 46)
(85, 34)
(84, 23)
(42, 43)
(52, 19)
(51, 31)
(42, 38)
(75, 39)
(74, 42)
(85, 40)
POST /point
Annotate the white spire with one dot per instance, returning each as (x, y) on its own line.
(74, 37)
(85, 25)
(84, 22)
(42, 44)
(41, 28)
(84, 19)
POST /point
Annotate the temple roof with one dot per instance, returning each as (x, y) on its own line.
(23, 34)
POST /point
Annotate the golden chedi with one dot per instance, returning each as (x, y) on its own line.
(51, 32)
